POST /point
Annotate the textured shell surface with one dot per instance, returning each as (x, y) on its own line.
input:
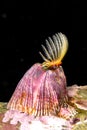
(39, 92)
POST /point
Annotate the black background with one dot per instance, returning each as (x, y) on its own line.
(24, 26)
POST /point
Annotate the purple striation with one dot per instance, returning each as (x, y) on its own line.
(40, 92)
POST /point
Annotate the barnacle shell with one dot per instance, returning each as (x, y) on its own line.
(40, 92)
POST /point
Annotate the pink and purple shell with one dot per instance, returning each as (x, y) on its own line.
(40, 92)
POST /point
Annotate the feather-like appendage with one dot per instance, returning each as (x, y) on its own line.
(56, 49)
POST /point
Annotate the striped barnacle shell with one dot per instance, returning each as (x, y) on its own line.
(56, 49)
(40, 91)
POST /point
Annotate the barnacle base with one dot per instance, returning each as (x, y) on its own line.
(74, 117)
(32, 123)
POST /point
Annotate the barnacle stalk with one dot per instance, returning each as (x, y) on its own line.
(56, 49)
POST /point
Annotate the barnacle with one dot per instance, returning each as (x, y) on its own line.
(55, 51)
(41, 93)
(42, 99)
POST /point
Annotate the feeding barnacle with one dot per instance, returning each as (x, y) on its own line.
(42, 90)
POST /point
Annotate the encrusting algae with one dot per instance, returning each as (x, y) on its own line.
(41, 96)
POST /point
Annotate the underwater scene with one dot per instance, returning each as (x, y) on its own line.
(42, 100)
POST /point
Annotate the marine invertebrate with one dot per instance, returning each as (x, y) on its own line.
(42, 89)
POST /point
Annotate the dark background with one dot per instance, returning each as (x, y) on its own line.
(24, 26)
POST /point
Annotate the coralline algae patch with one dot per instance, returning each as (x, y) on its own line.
(7, 125)
(41, 123)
